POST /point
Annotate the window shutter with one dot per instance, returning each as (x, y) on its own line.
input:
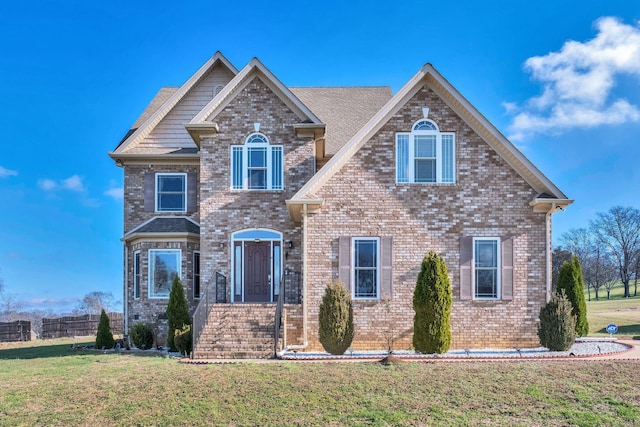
(344, 261)
(149, 192)
(192, 191)
(466, 259)
(386, 272)
(507, 268)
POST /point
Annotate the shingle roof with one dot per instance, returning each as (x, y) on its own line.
(169, 225)
(344, 109)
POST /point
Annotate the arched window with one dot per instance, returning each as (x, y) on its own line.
(425, 155)
(256, 165)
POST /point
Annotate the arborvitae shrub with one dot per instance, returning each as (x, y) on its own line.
(570, 280)
(141, 334)
(336, 319)
(177, 311)
(557, 328)
(183, 339)
(104, 337)
(432, 306)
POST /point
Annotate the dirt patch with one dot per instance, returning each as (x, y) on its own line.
(391, 360)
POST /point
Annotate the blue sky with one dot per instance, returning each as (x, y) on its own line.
(562, 79)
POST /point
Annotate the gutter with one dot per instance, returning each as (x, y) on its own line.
(126, 294)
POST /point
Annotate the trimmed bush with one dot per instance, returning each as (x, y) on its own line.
(104, 337)
(336, 319)
(432, 306)
(183, 339)
(141, 334)
(570, 280)
(557, 328)
(177, 311)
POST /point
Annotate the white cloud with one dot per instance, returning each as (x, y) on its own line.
(7, 172)
(47, 184)
(578, 82)
(115, 193)
(73, 183)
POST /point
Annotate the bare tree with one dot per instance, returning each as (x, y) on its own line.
(619, 231)
(558, 257)
(94, 302)
(10, 307)
(580, 242)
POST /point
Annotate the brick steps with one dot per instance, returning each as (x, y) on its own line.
(237, 331)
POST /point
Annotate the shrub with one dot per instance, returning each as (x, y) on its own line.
(183, 339)
(557, 328)
(104, 337)
(142, 335)
(336, 319)
(177, 311)
(570, 280)
(432, 306)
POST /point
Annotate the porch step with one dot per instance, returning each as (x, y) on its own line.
(237, 331)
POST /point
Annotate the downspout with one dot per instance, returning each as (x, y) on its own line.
(547, 248)
(305, 341)
(126, 294)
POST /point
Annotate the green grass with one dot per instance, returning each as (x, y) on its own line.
(624, 312)
(70, 388)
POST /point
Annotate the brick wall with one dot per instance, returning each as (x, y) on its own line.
(489, 199)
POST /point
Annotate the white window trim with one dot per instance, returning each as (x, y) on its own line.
(353, 268)
(498, 268)
(193, 272)
(186, 183)
(245, 164)
(150, 255)
(439, 156)
(136, 274)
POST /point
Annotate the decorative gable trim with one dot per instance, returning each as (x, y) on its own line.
(149, 124)
(434, 80)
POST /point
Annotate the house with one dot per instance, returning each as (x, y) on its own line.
(253, 192)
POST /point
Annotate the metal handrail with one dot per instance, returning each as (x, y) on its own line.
(201, 313)
(278, 319)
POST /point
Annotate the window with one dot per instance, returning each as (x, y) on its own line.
(164, 265)
(486, 264)
(365, 268)
(171, 191)
(425, 155)
(196, 275)
(256, 165)
(136, 274)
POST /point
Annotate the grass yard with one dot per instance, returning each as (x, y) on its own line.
(50, 385)
(624, 312)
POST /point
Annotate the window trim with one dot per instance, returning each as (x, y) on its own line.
(498, 268)
(411, 155)
(353, 267)
(184, 194)
(136, 274)
(151, 265)
(196, 275)
(270, 151)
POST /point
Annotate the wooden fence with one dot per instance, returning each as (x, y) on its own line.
(19, 330)
(80, 326)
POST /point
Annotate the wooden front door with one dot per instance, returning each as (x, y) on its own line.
(257, 271)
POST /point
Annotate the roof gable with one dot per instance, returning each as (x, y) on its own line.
(164, 102)
(204, 120)
(461, 106)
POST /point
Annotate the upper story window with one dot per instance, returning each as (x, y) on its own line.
(256, 165)
(171, 192)
(425, 155)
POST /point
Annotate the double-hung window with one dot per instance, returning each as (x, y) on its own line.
(164, 265)
(366, 267)
(425, 155)
(486, 265)
(257, 165)
(171, 192)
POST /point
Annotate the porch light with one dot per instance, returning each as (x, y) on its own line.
(289, 244)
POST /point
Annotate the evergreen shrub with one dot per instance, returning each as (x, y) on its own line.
(570, 280)
(177, 311)
(183, 339)
(557, 328)
(141, 334)
(104, 337)
(336, 319)
(432, 305)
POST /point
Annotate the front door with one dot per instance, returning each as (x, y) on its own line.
(257, 271)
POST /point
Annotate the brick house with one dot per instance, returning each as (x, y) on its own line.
(251, 191)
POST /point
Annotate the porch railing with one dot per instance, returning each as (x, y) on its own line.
(278, 320)
(207, 299)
